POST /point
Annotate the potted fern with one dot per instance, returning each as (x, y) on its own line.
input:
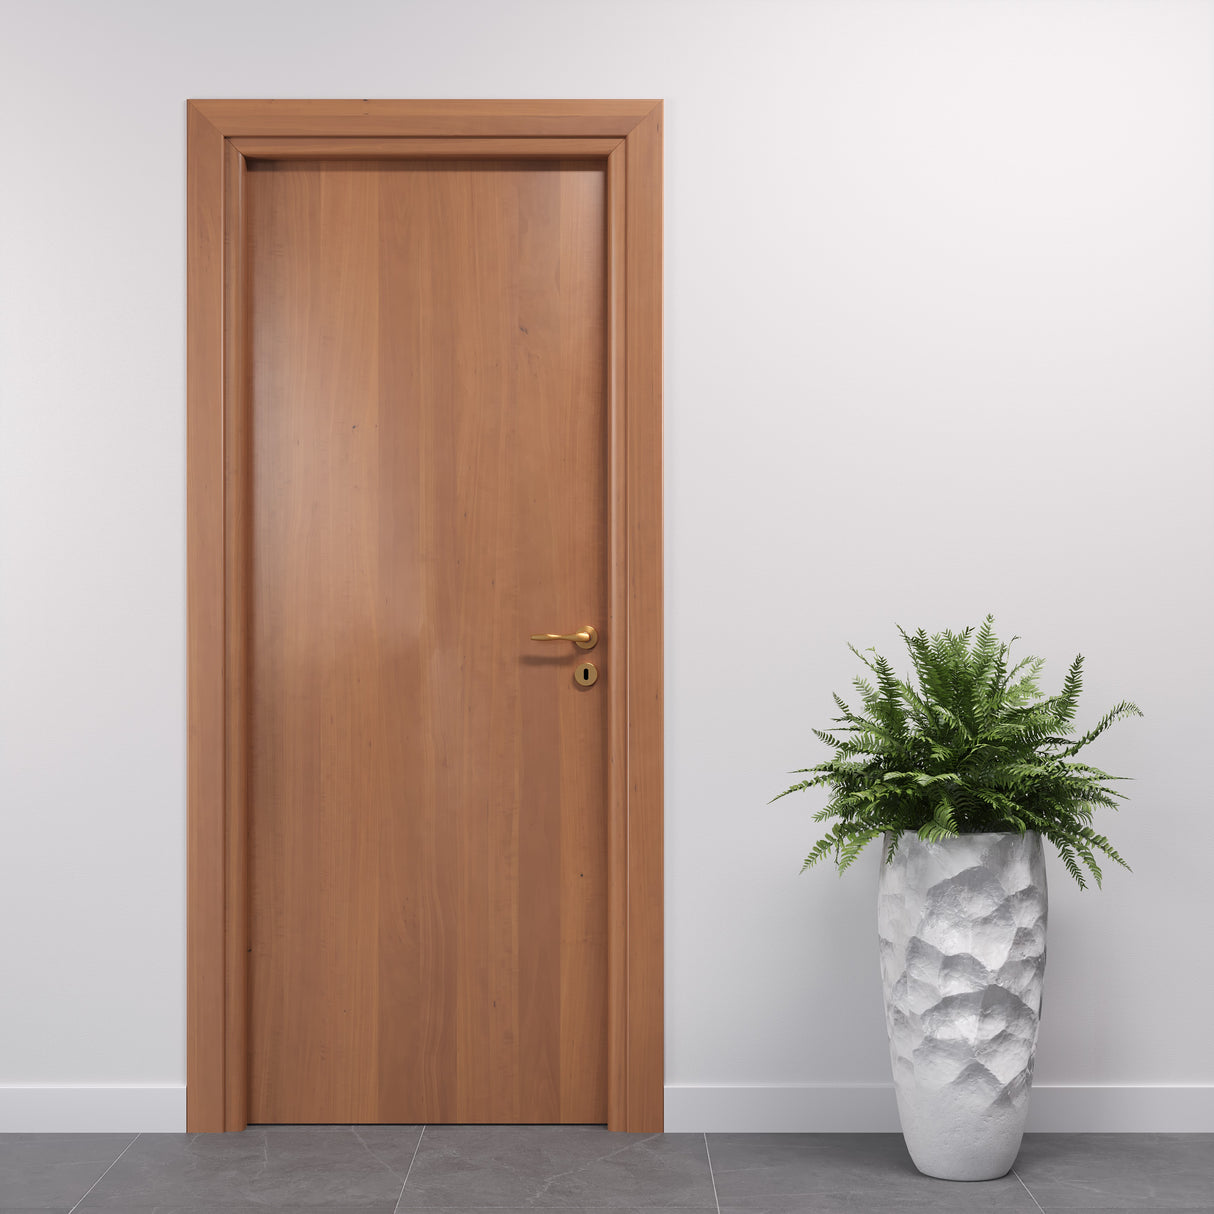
(961, 777)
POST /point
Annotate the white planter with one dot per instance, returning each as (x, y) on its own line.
(962, 928)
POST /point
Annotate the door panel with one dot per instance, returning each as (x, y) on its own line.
(427, 835)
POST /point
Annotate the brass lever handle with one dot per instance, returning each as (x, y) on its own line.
(584, 638)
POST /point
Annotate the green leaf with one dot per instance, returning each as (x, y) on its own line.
(968, 743)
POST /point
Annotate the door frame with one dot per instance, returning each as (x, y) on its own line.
(221, 137)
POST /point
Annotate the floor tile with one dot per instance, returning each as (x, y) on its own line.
(1119, 1171)
(53, 1171)
(866, 1203)
(758, 1173)
(554, 1167)
(872, 1202)
(387, 1207)
(306, 1167)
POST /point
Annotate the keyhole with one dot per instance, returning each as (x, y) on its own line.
(587, 674)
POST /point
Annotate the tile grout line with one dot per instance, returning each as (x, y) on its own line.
(711, 1174)
(401, 1195)
(106, 1172)
(1028, 1191)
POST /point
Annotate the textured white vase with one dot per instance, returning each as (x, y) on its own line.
(962, 928)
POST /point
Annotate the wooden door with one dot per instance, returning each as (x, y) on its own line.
(237, 734)
(427, 835)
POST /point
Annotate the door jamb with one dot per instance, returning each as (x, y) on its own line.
(221, 137)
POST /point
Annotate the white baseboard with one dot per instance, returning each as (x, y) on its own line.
(870, 1108)
(54, 1109)
(714, 1108)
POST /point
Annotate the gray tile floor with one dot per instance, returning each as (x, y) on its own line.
(381, 1169)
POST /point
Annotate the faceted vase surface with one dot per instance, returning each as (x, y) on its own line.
(962, 928)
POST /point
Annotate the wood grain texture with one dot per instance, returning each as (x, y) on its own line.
(574, 119)
(370, 148)
(235, 660)
(206, 959)
(643, 453)
(215, 328)
(427, 818)
(617, 618)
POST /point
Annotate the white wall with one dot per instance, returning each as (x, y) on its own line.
(940, 340)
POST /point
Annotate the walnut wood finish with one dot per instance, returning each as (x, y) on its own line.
(237, 526)
(642, 472)
(414, 119)
(285, 147)
(218, 527)
(207, 962)
(427, 792)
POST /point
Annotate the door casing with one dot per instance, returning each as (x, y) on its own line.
(222, 137)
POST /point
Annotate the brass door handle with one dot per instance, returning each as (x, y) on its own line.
(584, 638)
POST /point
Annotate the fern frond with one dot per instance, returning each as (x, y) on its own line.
(969, 745)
